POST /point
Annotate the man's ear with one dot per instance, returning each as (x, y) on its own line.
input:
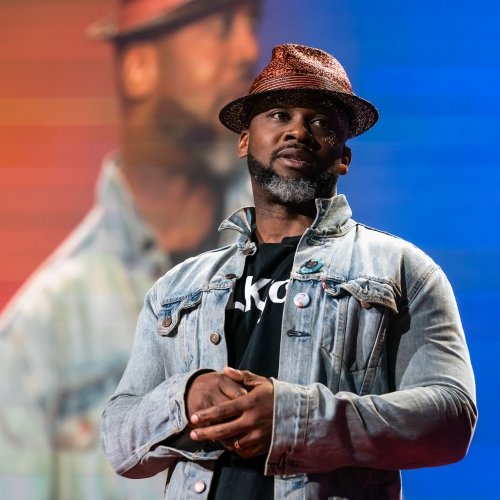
(345, 161)
(139, 70)
(243, 144)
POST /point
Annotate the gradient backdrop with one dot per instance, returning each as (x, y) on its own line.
(429, 171)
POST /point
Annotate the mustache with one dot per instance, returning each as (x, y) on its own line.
(302, 147)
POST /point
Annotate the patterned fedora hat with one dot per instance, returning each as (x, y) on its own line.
(138, 16)
(297, 73)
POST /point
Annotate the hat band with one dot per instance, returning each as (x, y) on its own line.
(293, 82)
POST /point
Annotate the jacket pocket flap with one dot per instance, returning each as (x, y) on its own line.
(369, 292)
(171, 312)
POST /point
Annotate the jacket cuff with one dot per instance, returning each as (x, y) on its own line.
(290, 421)
(176, 394)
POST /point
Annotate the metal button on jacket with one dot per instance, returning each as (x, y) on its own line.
(166, 322)
(301, 300)
(199, 487)
(312, 266)
(214, 338)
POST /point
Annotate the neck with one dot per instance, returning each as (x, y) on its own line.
(275, 221)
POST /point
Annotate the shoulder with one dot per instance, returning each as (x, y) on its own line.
(391, 259)
(199, 270)
(383, 243)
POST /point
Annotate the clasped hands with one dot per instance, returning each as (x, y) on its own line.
(233, 407)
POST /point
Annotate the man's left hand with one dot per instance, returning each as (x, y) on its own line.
(243, 425)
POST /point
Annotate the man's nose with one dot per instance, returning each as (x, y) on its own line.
(299, 129)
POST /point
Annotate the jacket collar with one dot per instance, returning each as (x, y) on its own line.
(333, 218)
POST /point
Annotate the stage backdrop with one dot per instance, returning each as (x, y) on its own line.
(428, 172)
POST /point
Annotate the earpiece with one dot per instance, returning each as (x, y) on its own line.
(342, 168)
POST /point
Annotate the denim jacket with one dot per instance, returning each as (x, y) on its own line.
(374, 374)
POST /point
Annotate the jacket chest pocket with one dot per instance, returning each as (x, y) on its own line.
(356, 318)
(177, 323)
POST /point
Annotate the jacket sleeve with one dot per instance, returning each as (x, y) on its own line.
(143, 425)
(427, 420)
(25, 426)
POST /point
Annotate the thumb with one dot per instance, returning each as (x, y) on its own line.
(251, 380)
(244, 377)
(233, 374)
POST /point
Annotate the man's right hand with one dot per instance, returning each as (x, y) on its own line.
(211, 389)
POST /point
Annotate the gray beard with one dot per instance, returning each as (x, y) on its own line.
(290, 190)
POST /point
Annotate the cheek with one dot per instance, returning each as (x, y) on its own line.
(206, 74)
(200, 74)
(208, 62)
(329, 142)
(263, 139)
(331, 149)
(261, 150)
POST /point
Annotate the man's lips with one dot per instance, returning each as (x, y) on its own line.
(296, 156)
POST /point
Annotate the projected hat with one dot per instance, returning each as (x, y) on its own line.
(297, 73)
(138, 16)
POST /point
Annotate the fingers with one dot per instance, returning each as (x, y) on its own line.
(217, 432)
(214, 389)
(210, 389)
(216, 414)
(248, 379)
(247, 418)
(233, 374)
(256, 404)
(230, 387)
(223, 421)
(242, 421)
(247, 446)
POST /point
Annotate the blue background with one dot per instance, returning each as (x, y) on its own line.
(429, 170)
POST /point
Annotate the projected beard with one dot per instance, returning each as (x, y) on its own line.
(209, 151)
(291, 190)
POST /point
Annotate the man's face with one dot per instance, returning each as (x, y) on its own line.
(294, 152)
(209, 62)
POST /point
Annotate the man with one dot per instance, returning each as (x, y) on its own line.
(65, 338)
(314, 357)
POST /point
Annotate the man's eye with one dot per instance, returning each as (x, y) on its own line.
(324, 123)
(225, 23)
(279, 115)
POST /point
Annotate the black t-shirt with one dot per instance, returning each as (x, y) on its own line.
(253, 330)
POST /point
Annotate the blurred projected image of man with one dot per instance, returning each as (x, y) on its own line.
(66, 336)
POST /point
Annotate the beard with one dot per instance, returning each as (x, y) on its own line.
(291, 190)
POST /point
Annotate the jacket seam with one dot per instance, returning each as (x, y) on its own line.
(415, 291)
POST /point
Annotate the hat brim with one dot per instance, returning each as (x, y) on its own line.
(108, 28)
(236, 115)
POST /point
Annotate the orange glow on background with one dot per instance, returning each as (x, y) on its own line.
(58, 118)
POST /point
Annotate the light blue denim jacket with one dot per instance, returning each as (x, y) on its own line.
(374, 373)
